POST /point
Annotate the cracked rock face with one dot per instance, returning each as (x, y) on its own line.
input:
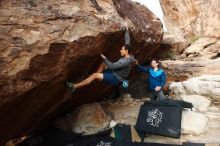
(180, 70)
(43, 44)
(192, 29)
(192, 17)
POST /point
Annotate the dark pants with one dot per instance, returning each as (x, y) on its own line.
(157, 95)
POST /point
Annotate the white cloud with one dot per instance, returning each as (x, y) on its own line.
(155, 7)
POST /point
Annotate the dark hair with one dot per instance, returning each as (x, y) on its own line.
(157, 61)
(154, 59)
(128, 47)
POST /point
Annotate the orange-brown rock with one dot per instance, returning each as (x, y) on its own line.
(188, 22)
(181, 70)
(45, 43)
(192, 18)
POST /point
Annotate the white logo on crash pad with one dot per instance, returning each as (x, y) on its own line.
(102, 143)
(154, 117)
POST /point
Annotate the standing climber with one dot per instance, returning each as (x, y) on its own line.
(156, 79)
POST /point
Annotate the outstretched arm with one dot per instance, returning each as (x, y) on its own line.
(142, 69)
(115, 65)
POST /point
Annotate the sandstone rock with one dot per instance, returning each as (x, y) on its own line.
(172, 46)
(206, 85)
(123, 111)
(212, 51)
(193, 123)
(90, 119)
(197, 22)
(43, 44)
(125, 100)
(86, 119)
(198, 46)
(180, 70)
(199, 102)
(126, 95)
(192, 17)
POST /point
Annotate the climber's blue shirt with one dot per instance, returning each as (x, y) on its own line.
(156, 78)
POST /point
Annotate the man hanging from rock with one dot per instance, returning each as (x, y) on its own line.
(156, 79)
(108, 72)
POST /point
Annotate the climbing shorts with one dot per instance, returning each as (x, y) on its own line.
(110, 78)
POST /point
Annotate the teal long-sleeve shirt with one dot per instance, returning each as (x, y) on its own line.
(156, 78)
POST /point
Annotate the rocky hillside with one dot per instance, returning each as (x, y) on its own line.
(192, 51)
(45, 43)
(192, 18)
(191, 46)
(194, 24)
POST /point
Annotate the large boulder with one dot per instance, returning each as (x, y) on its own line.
(201, 48)
(192, 18)
(193, 123)
(180, 70)
(86, 119)
(205, 85)
(194, 23)
(45, 43)
(172, 46)
(199, 102)
(124, 110)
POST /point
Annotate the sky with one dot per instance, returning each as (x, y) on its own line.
(154, 6)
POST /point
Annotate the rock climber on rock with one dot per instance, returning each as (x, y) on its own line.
(108, 72)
